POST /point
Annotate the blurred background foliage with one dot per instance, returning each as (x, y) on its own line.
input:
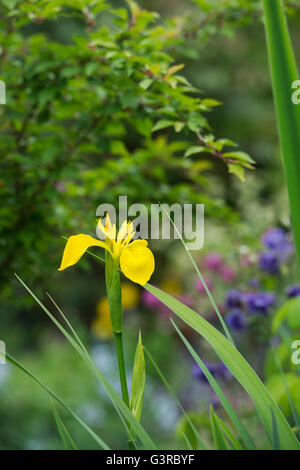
(95, 110)
(94, 113)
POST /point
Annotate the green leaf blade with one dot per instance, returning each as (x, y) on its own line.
(138, 381)
(236, 363)
(283, 70)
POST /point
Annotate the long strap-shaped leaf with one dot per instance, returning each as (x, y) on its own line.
(201, 443)
(117, 401)
(245, 436)
(283, 73)
(17, 364)
(67, 440)
(237, 364)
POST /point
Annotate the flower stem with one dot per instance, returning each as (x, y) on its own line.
(114, 294)
(121, 362)
(122, 371)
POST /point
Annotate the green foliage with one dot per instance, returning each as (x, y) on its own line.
(98, 439)
(122, 409)
(237, 364)
(214, 17)
(277, 428)
(189, 430)
(223, 17)
(277, 389)
(222, 397)
(289, 312)
(91, 116)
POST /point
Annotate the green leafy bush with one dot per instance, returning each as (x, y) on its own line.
(91, 116)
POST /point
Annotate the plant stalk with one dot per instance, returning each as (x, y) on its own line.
(121, 362)
(114, 294)
(283, 70)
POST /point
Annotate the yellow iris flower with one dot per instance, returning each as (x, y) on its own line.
(135, 258)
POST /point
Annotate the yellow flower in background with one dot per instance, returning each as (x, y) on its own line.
(135, 258)
(130, 295)
(101, 325)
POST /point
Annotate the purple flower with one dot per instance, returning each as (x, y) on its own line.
(269, 261)
(259, 302)
(213, 261)
(254, 282)
(199, 286)
(236, 320)
(274, 238)
(217, 370)
(293, 291)
(227, 273)
(234, 298)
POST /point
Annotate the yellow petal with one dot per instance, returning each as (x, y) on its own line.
(109, 229)
(123, 231)
(126, 232)
(130, 232)
(76, 246)
(137, 262)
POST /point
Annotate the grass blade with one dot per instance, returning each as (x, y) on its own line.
(245, 436)
(87, 356)
(116, 400)
(275, 433)
(235, 443)
(209, 294)
(173, 394)
(219, 439)
(67, 441)
(75, 335)
(189, 445)
(236, 363)
(17, 364)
